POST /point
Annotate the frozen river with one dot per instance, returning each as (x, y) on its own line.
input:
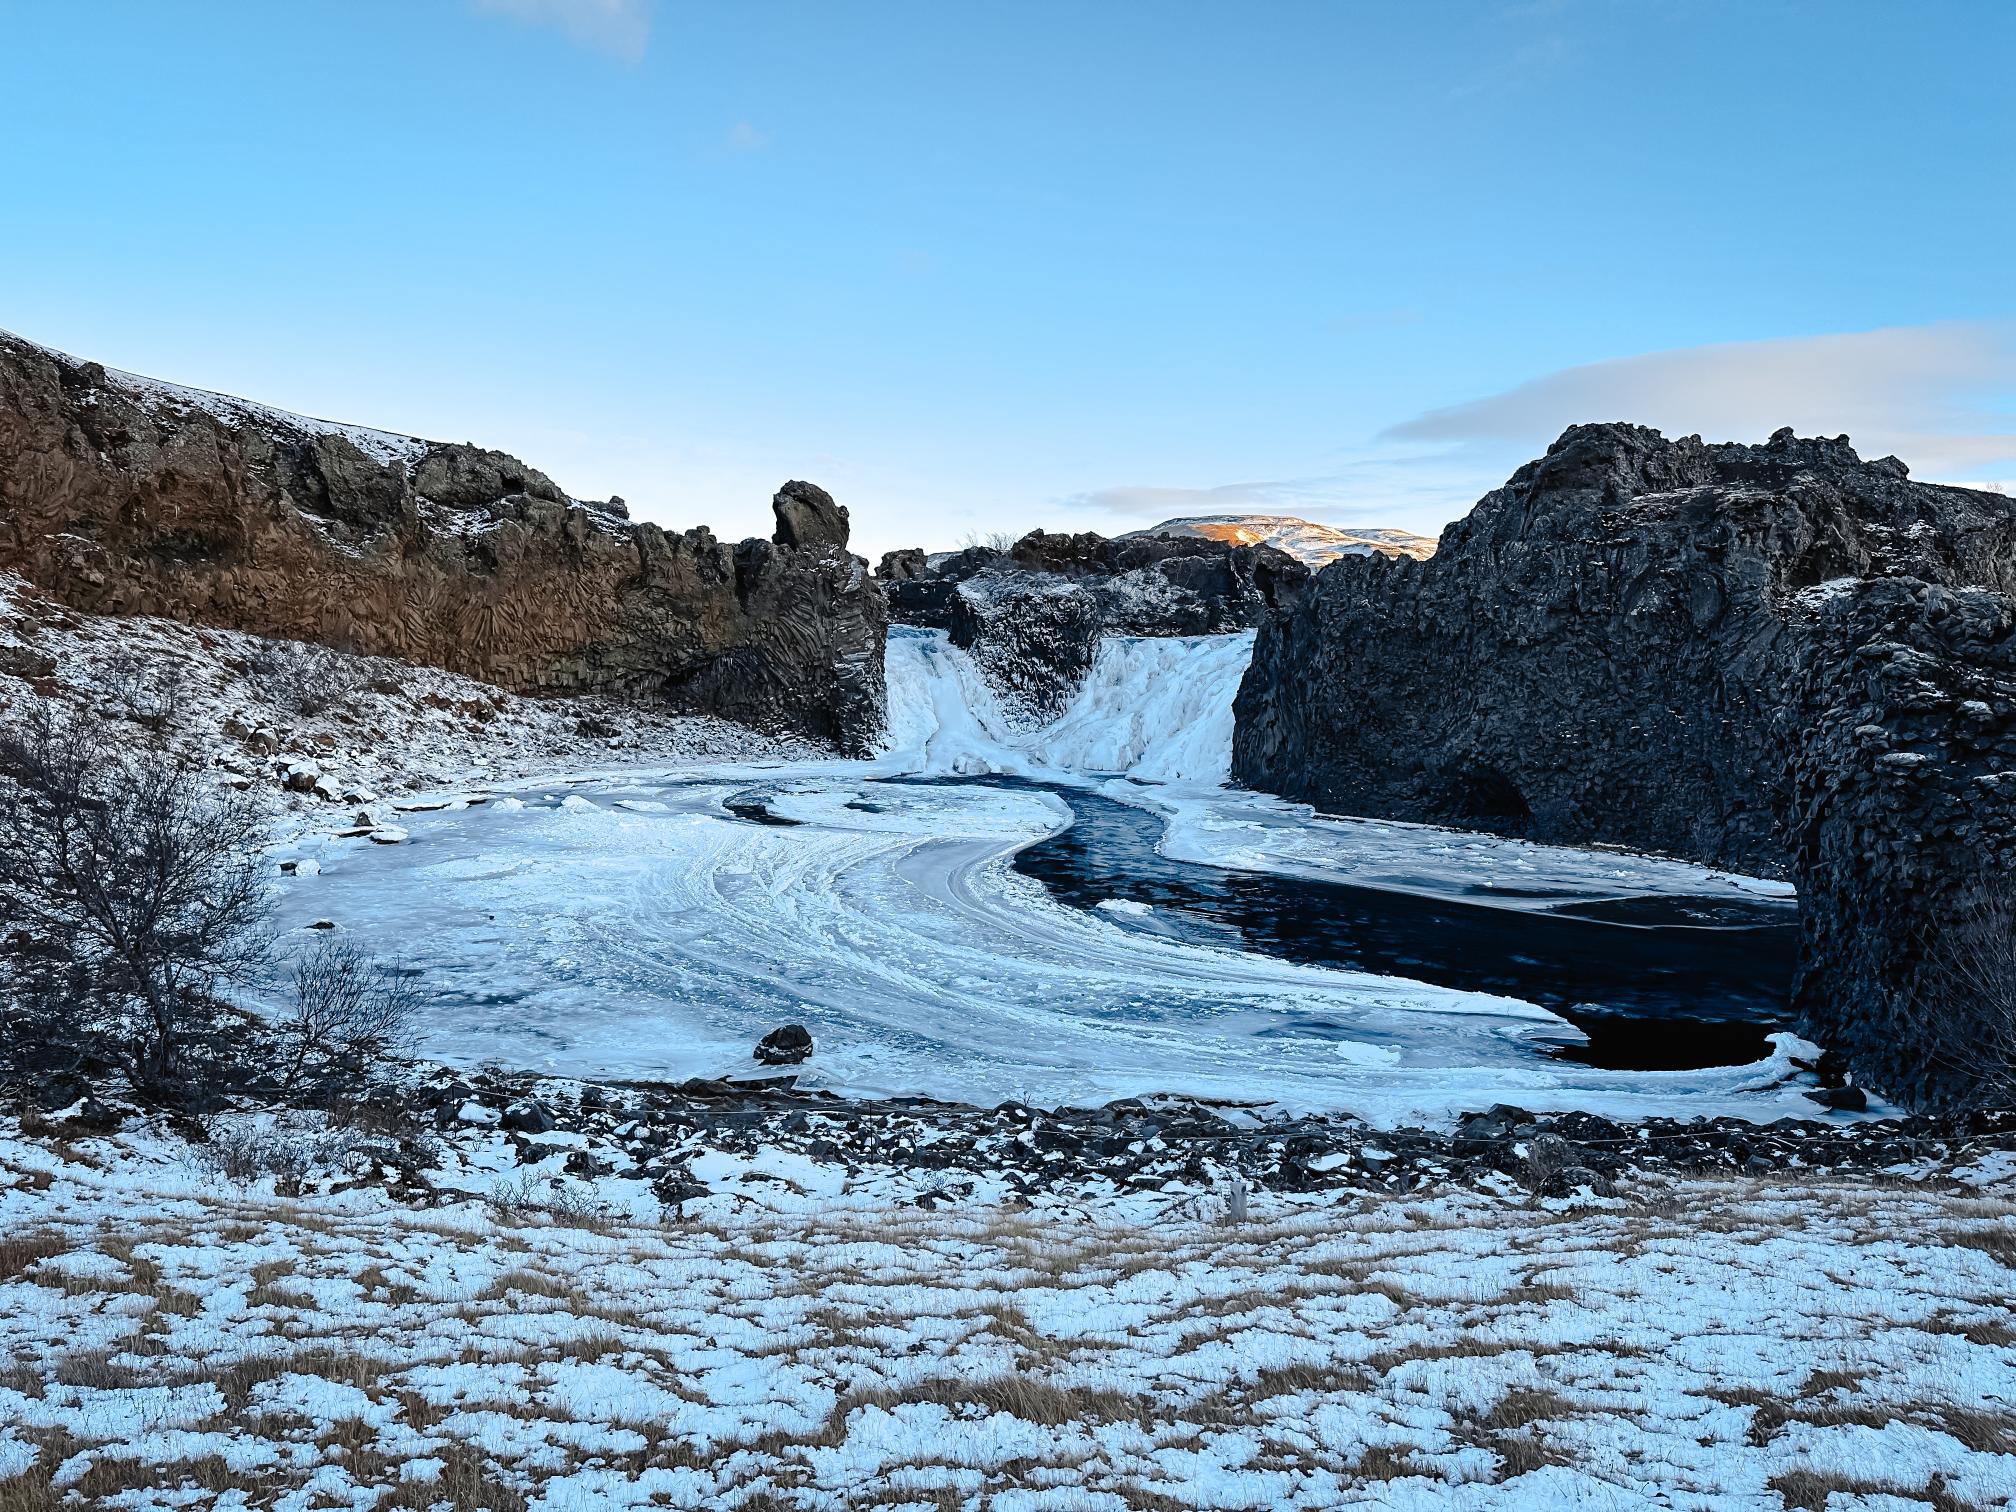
(938, 919)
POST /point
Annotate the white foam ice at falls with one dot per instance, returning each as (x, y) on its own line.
(1157, 709)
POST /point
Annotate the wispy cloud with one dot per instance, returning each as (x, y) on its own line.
(1942, 397)
(1936, 395)
(619, 27)
(743, 137)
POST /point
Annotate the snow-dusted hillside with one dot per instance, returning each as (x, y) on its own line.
(174, 399)
(810, 1340)
(320, 734)
(1313, 543)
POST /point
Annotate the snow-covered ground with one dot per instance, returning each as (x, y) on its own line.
(170, 1339)
(831, 1330)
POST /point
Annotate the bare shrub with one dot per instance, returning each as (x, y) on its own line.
(345, 1008)
(526, 1195)
(150, 694)
(131, 884)
(289, 1153)
(1967, 1003)
(1000, 542)
(1548, 1156)
(305, 679)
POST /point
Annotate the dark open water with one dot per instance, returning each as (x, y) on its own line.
(1656, 983)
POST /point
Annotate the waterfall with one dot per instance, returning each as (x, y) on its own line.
(1156, 708)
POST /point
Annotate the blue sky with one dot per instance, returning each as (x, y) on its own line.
(1083, 265)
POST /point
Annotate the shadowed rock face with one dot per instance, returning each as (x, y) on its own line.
(1778, 658)
(124, 496)
(1032, 617)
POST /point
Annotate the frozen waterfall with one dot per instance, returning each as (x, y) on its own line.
(1157, 708)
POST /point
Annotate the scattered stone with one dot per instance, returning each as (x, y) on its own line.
(784, 1047)
(527, 1115)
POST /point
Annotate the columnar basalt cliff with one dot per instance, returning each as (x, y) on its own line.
(122, 495)
(1778, 658)
(1032, 616)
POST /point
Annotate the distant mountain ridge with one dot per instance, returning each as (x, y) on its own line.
(1313, 543)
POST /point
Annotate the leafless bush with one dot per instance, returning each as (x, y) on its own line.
(150, 694)
(1000, 542)
(1548, 1156)
(344, 1007)
(1967, 1006)
(130, 883)
(525, 1195)
(289, 1153)
(305, 679)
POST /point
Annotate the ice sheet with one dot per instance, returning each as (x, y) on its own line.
(643, 928)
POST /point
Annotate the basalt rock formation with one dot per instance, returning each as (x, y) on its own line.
(1032, 617)
(122, 495)
(1777, 658)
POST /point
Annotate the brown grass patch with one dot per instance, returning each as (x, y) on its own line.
(20, 1252)
(1998, 1241)
(1808, 1490)
(530, 1283)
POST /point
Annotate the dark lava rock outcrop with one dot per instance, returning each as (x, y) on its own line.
(1031, 617)
(121, 495)
(1777, 658)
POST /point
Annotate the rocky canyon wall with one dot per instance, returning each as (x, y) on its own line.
(1778, 658)
(123, 495)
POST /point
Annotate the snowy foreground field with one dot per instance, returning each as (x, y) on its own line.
(171, 1340)
(604, 1317)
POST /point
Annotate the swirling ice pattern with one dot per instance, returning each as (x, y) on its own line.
(645, 931)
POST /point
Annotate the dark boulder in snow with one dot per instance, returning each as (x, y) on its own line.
(785, 1047)
(1778, 658)
(527, 1115)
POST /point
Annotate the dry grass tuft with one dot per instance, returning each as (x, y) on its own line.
(530, 1283)
(1997, 1241)
(21, 1252)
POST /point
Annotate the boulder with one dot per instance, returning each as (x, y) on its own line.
(901, 566)
(786, 1046)
(527, 1115)
(807, 518)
